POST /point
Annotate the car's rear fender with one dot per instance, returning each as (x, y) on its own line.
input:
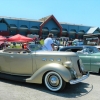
(38, 75)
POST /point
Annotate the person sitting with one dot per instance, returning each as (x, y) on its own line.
(25, 46)
(14, 44)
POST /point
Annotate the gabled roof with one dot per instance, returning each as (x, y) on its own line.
(91, 30)
(3, 20)
(46, 19)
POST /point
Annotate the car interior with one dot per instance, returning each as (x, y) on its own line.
(18, 51)
(73, 49)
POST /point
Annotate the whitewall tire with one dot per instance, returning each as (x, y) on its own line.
(54, 82)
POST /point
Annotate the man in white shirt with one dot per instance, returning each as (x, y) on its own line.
(48, 43)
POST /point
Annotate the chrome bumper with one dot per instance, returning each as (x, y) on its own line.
(79, 79)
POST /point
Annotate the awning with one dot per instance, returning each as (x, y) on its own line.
(1, 42)
(81, 33)
(46, 30)
(91, 30)
(55, 31)
(13, 27)
(2, 38)
(34, 29)
(73, 32)
(64, 31)
(23, 28)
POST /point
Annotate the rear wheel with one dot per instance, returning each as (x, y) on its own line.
(54, 82)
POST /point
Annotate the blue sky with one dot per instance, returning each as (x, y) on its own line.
(85, 12)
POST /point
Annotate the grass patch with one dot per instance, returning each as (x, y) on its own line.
(18, 46)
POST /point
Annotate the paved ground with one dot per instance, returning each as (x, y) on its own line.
(86, 90)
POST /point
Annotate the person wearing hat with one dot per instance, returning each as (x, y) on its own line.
(48, 43)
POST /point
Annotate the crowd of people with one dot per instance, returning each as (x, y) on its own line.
(5, 45)
(47, 43)
(50, 41)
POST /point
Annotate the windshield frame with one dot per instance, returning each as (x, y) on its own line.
(35, 47)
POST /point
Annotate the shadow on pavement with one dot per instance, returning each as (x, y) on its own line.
(71, 91)
(92, 73)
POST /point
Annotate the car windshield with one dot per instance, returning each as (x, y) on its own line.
(35, 47)
(91, 50)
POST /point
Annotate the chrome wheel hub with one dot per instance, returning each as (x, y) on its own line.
(54, 81)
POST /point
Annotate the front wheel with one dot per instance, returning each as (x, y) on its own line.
(54, 82)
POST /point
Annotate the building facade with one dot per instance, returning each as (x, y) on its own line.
(11, 26)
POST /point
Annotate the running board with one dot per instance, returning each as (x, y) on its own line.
(14, 77)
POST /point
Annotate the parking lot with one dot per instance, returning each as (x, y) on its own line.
(86, 90)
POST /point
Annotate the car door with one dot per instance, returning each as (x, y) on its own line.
(21, 64)
(95, 63)
(4, 62)
(86, 59)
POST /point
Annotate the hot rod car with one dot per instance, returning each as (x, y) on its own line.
(37, 66)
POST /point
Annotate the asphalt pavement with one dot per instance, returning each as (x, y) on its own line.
(89, 89)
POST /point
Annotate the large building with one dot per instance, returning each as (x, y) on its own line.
(11, 26)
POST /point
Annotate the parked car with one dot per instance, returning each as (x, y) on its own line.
(37, 66)
(90, 56)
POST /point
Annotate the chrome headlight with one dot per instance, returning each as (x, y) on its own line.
(73, 73)
(68, 64)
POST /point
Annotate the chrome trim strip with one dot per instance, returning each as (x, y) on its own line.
(86, 63)
(95, 63)
(79, 79)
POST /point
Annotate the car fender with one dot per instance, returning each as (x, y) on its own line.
(60, 69)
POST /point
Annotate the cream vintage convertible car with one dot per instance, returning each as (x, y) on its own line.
(37, 66)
